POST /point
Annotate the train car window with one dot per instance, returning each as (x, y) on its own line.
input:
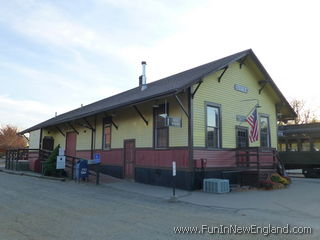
(281, 147)
(316, 145)
(305, 145)
(293, 146)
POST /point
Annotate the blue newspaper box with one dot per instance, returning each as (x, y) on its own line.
(82, 171)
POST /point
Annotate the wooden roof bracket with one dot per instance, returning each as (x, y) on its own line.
(89, 125)
(60, 131)
(241, 61)
(73, 128)
(181, 105)
(262, 83)
(224, 70)
(140, 114)
(111, 120)
(116, 126)
(194, 92)
(26, 137)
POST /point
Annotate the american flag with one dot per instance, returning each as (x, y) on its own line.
(253, 122)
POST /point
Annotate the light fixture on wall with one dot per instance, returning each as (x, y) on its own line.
(252, 99)
(164, 115)
(155, 104)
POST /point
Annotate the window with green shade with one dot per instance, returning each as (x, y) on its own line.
(213, 127)
(106, 141)
(264, 132)
(160, 128)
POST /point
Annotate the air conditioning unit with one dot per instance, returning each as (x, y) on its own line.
(215, 185)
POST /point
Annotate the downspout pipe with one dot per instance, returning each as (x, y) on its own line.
(40, 140)
(190, 135)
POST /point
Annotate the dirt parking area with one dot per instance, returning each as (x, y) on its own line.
(38, 209)
(2, 162)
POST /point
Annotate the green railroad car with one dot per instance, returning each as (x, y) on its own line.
(299, 146)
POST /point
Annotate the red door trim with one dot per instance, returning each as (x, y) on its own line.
(75, 143)
(124, 158)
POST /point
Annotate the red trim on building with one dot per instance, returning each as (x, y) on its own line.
(108, 157)
(83, 154)
(111, 157)
(162, 158)
(144, 157)
(227, 158)
(216, 158)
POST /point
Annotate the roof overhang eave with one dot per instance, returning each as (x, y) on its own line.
(39, 126)
(199, 79)
(273, 85)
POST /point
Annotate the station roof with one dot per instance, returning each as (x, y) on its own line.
(310, 128)
(166, 86)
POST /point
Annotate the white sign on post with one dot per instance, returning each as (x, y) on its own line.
(61, 159)
(61, 162)
(174, 169)
(61, 151)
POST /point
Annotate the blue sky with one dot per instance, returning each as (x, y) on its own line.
(56, 55)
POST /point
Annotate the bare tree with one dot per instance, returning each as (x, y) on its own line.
(304, 114)
(9, 138)
(297, 106)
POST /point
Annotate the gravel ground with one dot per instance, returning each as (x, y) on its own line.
(37, 209)
(2, 162)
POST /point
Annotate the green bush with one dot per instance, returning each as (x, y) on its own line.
(49, 166)
(275, 178)
(275, 181)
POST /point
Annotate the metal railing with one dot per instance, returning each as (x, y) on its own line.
(14, 157)
(24, 155)
(71, 161)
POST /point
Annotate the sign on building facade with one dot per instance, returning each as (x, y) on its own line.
(174, 122)
(240, 88)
